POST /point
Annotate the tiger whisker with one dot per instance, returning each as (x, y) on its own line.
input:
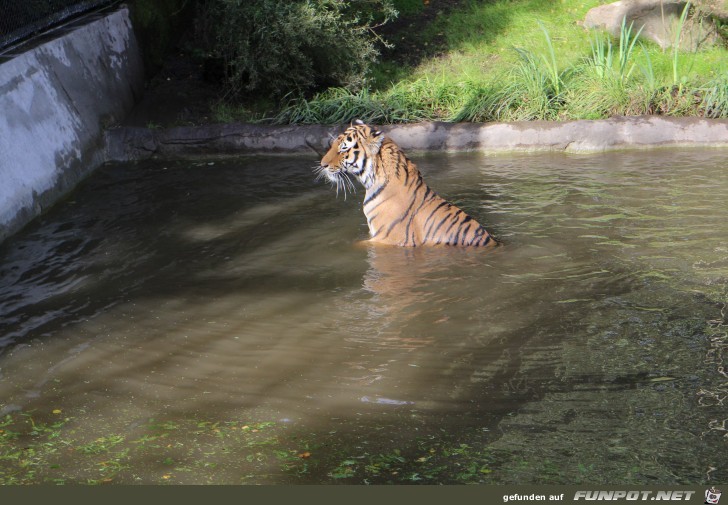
(349, 182)
(319, 171)
(340, 186)
(341, 180)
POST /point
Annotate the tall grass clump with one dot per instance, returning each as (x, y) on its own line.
(403, 104)
(685, 93)
(533, 90)
(423, 99)
(430, 99)
(482, 104)
(337, 105)
(627, 41)
(715, 97)
(530, 94)
(679, 78)
(605, 84)
(552, 69)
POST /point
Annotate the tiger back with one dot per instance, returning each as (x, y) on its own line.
(401, 209)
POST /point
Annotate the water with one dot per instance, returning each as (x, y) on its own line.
(223, 322)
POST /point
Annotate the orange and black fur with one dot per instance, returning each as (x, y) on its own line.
(400, 207)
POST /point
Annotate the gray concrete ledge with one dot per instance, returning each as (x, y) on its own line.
(55, 101)
(645, 132)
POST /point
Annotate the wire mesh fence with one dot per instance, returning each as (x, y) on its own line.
(22, 19)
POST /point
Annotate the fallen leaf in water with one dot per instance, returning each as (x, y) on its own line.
(304, 455)
(57, 411)
(662, 379)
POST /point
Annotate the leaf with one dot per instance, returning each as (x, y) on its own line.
(662, 379)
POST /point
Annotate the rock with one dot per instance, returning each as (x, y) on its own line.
(715, 8)
(658, 19)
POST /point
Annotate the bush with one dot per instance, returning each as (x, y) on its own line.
(158, 24)
(277, 47)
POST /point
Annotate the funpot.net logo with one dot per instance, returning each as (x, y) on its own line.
(680, 495)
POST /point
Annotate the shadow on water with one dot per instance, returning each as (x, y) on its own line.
(122, 232)
(237, 291)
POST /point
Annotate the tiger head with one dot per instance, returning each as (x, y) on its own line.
(351, 153)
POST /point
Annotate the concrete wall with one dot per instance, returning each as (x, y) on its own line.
(55, 101)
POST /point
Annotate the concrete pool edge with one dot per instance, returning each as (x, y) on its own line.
(638, 132)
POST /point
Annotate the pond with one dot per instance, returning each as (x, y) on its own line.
(223, 322)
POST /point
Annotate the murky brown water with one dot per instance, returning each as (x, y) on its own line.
(215, 295)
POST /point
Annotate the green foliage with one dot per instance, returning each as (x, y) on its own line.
(715, 99)
(676, 46)
(534, 88)
(420, 100)
(408, 7)
(559, 71)
(626, 47)
(276, 47)
(603, 83)
(158, 24)
(552, 69)
(335, 105)
(482, 105)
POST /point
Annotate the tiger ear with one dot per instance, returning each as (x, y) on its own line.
(358, 122)
(377, 138)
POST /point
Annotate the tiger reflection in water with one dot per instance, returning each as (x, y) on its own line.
(410, 298)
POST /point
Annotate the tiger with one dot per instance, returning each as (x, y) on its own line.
(400, 208)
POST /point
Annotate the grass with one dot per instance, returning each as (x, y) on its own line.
(522, 60)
